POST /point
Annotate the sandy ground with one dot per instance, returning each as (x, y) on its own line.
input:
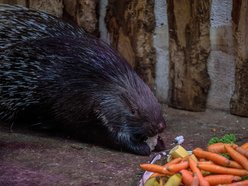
(31, 158)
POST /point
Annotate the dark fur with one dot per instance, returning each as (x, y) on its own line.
(59, 73)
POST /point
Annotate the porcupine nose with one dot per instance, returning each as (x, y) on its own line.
(161, 127)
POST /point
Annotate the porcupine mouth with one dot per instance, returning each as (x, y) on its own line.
(142, 137)
(155, 142)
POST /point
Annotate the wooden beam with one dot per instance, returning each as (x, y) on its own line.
(239, 101)
(189, 48)
(131, 25)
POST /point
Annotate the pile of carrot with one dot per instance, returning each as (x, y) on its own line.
(209, 167)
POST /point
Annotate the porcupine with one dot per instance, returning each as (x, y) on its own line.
(59, 73)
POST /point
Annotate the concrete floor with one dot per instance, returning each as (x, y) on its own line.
(31, 158)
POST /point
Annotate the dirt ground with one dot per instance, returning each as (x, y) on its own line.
(28, 158)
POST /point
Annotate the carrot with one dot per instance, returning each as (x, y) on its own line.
(186, 177)
(217, 148)
(242, 160)
(234, 164)
(154, 168)
(242, 151)
(196, 170)
(157, 174)
(240, 183)
(216, 158)
(205, 162)
(195, 181)
(222, 170)
(245, 146)
(174, 161)
(221, 179)
(177, 167)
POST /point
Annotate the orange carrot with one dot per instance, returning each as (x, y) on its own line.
(205, 162)
(177, 167)
(216, 158)
(245, 146)
(195, 181)
(174, 161)
(222, 170)
(154, 168)
(240, 183)
(195, 169)
(242, 151)
(158, 174)
(242, 160)
(187, 177)
(221, 179)
(217, 148)
(234, 164)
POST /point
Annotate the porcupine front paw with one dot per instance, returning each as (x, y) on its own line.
(140, 149)
(132, 145)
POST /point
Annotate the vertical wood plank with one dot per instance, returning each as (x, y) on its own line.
(239, 101)
(189, 48)
(84, 13)
(131, 25)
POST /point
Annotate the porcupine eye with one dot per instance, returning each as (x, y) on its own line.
(134, 111)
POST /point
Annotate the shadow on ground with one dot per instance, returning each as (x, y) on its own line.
(28, 158)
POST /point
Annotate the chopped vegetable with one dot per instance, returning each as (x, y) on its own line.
(152, 182)
(174, 180)
(178, 151)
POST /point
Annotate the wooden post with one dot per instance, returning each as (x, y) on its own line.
(189, 48)
(84, 13)
(131, 25)
(239, 101)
